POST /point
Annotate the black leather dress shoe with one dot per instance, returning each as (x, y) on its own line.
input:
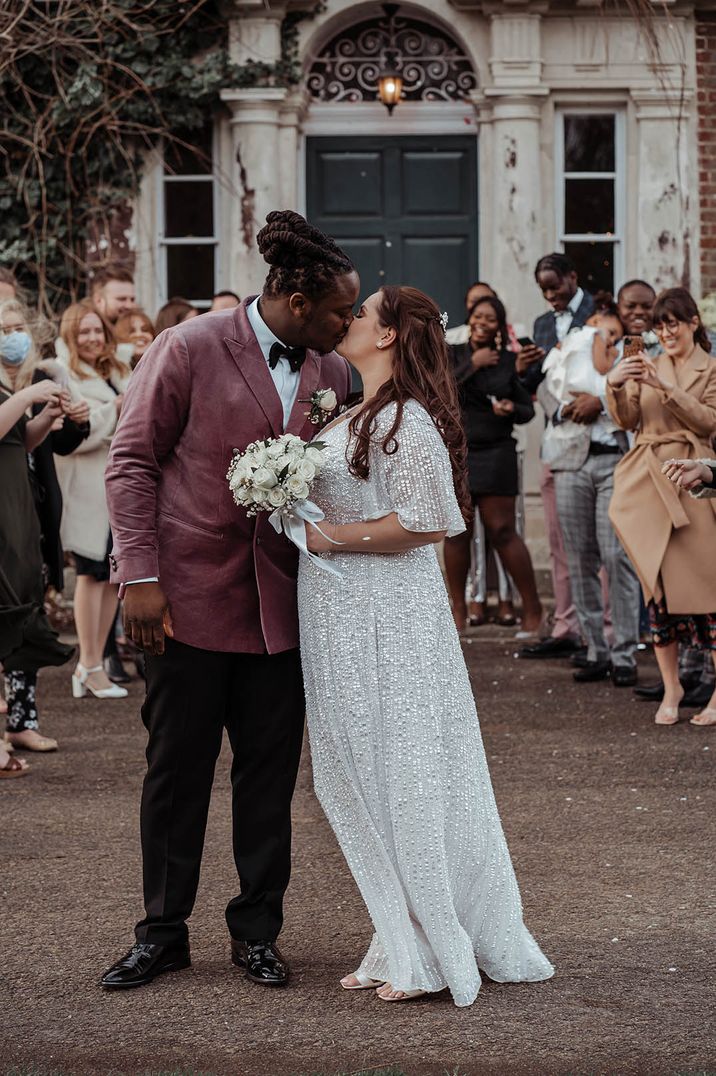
(115, 670)
(698, 695)
(592, 671)
(579, 658)
(623, 675)
(552, 648)
(143, 963)
(695, 693)
(261, 961)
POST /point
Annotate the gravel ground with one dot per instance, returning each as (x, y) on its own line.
(611, 825)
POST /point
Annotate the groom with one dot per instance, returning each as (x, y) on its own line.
(210, 594)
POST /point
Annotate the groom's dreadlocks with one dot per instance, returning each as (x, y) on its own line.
(301, 257)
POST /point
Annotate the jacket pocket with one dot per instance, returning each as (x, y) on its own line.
(209, 532)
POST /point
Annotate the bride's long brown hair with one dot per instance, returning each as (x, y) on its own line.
(421, 371)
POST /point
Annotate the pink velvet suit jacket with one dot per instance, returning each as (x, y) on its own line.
(202, 389)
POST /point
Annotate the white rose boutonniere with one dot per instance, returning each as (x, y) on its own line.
(323, 403)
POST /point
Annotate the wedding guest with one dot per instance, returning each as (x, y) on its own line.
(582, 447)
(176, 311)
(670, 402)
(492, 401)
(97, 375)
(27, 640)
(460, 334)
(556, 276)
(112, 292)
(224, 300)
(21, 367)
(635, 307)
(477, 576)
(135, 328)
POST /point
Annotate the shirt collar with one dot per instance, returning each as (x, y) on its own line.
(576, 301)
(265, 336)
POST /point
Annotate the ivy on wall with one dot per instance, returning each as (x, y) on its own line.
(85, 90)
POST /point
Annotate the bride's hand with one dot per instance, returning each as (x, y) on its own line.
(315, 541)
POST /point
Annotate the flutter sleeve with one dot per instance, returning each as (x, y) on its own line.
(416, 481)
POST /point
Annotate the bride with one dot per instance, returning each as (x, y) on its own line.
(398, 761)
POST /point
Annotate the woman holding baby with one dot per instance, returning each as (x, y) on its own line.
(670, 404)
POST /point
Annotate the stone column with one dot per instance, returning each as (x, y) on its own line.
(291, 114)
(666, 253)
(257, 176)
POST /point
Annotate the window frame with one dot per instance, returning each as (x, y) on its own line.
(615, 239)
(164, 242)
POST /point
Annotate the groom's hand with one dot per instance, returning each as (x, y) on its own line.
(146, 616)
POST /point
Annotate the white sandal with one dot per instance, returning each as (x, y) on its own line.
(709, 713)
(80, 687)
(364, 982)
(406, 995)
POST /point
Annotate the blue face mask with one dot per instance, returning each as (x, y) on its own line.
(15, 347)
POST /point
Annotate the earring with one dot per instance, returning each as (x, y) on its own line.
(379, 344)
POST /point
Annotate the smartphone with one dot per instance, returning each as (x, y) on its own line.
(632, 346)
(525, 341)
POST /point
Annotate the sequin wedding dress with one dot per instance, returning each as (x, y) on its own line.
(398, 761)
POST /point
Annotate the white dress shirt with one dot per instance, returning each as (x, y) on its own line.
(563, 320)
(284, 378)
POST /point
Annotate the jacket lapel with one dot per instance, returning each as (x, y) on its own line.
(695, 366)
(308, 383)
(250, 363)
(583, 311)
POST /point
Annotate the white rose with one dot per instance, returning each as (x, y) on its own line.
(315, 456)
(328, 400)
(274, 449)
(259, 496)
(296, 486)
(281, 462)
(277, 497)
(306, 470)
(264, 478)
(258, 457)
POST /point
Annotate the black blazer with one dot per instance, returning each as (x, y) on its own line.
(482, 426)
(48, 496)
(544, 335)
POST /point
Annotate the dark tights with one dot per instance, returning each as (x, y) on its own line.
(498, 517)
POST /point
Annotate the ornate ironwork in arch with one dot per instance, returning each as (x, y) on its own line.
(432, 65)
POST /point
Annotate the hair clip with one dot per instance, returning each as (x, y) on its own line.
(443, 319)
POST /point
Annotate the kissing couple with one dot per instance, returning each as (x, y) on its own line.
(220, 602)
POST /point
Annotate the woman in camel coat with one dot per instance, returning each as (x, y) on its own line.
(670, 402)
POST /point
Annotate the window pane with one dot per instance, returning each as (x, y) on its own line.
(191, 158)
(595, 264)
(589, 143)
(190, 271)
(588, 206)
(188, 208)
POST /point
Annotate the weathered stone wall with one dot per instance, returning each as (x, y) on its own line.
(706, 96)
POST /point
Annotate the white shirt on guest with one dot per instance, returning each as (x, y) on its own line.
(563, 320)
(284, 378)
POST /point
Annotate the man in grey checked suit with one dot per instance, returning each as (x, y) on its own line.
(583, 466)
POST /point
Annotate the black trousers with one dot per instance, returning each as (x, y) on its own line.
(192, 695)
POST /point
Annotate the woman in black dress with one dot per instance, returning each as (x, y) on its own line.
(493, 401)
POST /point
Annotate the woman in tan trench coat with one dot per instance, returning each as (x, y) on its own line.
(670, 402)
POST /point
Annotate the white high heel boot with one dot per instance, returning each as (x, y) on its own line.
(80, 687)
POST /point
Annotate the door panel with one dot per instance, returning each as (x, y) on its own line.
(404, 209)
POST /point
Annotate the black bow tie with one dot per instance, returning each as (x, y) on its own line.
(296, 356)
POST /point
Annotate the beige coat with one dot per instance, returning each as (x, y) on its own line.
(85, 519)
(668, 535)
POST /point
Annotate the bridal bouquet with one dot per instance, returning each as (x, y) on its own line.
(275, 475)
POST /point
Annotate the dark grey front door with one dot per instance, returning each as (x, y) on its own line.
(404, 209)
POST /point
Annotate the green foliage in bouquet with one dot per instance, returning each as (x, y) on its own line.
(85, 90)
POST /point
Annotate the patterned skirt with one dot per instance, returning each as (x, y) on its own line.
(697, 630)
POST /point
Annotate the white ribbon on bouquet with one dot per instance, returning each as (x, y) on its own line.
(292, 522)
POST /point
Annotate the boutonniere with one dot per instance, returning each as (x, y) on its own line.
(649, 338)
(323, 402)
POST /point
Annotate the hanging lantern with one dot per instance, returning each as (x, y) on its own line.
(390, 87)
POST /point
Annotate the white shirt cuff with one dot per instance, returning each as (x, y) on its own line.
(149, 579)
